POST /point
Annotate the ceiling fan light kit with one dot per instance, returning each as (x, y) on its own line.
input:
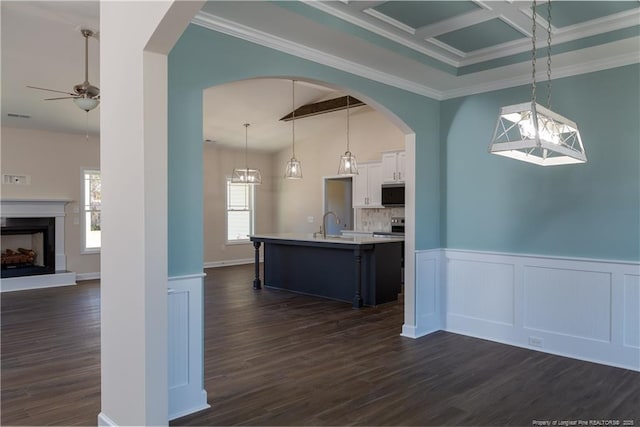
(86, 104)
(85, 95)
(532, 133)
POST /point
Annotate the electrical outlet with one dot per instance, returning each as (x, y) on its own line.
(536, 342)
(310, 219)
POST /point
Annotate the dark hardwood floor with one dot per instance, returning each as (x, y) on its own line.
(50, 356)
(275, 358)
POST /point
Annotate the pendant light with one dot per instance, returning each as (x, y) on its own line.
(533, 133)
(348, 165)
(246, 175)
(294, 168)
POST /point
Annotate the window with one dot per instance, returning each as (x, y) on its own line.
(239, 212)
(91, 202)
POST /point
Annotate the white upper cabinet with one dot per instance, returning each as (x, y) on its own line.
(393, 167)
(367, 186)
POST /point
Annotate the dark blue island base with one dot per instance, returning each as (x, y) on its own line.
(362, 271)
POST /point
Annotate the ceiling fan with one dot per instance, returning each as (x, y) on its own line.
(85, 96)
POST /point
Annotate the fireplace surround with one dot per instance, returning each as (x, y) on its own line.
(39, 223)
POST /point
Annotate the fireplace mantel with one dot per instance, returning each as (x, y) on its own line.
(30, 208)
(36, 208)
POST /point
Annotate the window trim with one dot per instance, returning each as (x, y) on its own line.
(82, 212)
(228, 242)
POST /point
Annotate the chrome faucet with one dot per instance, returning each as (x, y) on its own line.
(324, 220)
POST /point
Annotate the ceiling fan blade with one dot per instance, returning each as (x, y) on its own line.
(64, 97)
(51, 90)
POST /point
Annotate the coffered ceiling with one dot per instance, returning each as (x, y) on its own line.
(440, 49)
(461, 33)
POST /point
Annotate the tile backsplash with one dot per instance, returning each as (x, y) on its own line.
(376, 219)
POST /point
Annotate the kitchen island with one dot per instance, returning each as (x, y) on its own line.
(362, 270)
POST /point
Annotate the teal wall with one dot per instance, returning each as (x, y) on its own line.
(204, 58)
(590, 210)
(465, 197)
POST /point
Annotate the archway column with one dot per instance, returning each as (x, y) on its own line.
(135, 40)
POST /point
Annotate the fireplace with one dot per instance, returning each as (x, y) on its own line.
(28, 246)
(33, 232)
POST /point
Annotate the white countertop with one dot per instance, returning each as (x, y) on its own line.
(347, 240)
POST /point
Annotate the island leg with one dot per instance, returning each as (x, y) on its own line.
(256, 282)
(357, 298)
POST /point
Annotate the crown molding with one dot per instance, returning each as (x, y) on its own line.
(376, 29)
(599, 64)
(389, 20)
(222, 25)
(234, 29)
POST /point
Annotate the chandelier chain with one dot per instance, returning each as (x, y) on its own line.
(549, 54)
(533, 54)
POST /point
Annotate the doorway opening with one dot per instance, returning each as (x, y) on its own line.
(338, 198)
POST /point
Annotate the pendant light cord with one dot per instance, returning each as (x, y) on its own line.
(293, 118)
(348, 151)
(246, 148)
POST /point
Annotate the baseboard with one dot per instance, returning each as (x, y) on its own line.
(104, 421)
(230, 262)
(555, 353)
(409, 331)
(88, 276)
(191, 410)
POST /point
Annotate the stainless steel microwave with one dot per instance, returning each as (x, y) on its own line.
(392, 194)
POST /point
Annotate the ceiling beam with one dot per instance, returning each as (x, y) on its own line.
(322, 107)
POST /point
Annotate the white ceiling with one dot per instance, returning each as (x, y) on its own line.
(42, 46)
(261, 103)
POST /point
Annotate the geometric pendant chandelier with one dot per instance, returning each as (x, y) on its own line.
(532, 133)
(535, 134)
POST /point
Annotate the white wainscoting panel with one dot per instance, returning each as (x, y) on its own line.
(186, 346)
(480, 290)
(632, 311)
(562, 301)
(580, 308)
(428, 294)
(178, 303)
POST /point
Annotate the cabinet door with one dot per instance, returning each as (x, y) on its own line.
(389, 167)
(374, 184)
(400, 162)
(360, 187)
